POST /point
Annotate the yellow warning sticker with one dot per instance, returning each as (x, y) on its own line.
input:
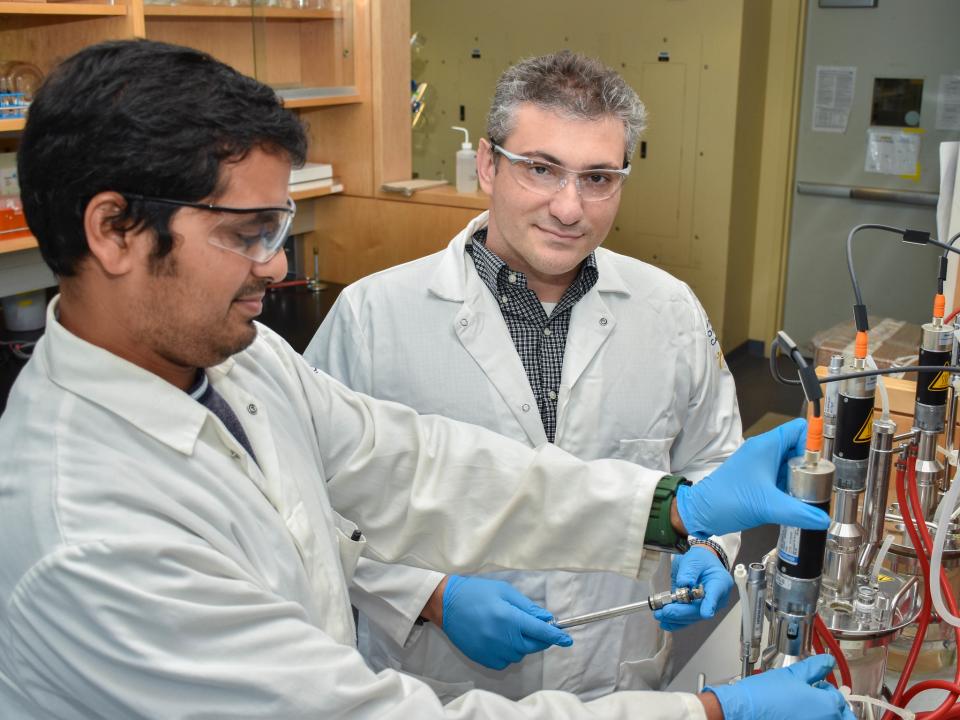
(940, 382)
(866, 432)
(884, 578)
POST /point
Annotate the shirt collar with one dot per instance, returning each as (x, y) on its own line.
(146, 401)
(493, 271)
(451, 277)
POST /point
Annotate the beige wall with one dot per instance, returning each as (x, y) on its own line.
(778, 149)
(692, 206)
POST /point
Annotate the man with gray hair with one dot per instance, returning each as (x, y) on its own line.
(524, 325)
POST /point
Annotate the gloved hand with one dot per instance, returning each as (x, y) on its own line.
(698, 565)
(784, 694)
(743, 492)
(493, 624)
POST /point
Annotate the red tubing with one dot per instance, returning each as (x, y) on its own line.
(951, 316)
(921, 526)
(821, 632)
(818, 648)
(914, 653)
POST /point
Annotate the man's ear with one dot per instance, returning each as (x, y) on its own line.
(485, 165)
(110, 247)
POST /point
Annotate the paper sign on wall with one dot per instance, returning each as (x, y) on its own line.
(948, 103)
(892, 151)
(833, 98)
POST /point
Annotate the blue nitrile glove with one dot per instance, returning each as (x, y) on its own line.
(743, 492)
(795, 691)
(493, 624)
(697, 565)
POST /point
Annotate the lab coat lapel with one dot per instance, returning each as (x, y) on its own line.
(483, 333)
(480, 327)
(591, 323)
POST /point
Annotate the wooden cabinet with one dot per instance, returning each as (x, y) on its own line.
(321, 61)
(344, 67)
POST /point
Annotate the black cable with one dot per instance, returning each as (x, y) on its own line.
(807, 375)
(774, 368)
(890, 371)
(946, 247)
(854, 231)
(950, 242)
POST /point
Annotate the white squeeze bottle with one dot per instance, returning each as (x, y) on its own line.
(466, 164)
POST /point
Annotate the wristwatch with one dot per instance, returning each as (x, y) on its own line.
(660, 532)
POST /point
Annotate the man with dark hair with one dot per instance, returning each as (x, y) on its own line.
(176, 481)
(525, 326)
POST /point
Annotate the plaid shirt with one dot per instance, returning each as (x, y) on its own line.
(540, 340)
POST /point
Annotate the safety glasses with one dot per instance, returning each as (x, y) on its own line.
(546, 178)
(256, 233)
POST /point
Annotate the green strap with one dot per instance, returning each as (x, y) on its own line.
(659, 530)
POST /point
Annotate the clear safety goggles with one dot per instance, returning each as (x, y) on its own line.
(256, 233)
(546, 178)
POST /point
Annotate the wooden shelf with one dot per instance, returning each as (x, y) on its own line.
(446, 195)
(321, 101)
(297, 195)
(29, 242)
(12, 124)
(60, 8)
(222, 11)
(17, 244)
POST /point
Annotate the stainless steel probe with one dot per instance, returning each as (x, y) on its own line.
(654, 602)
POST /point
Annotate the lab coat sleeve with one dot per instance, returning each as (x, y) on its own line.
(444, 495)
(180, 631)
(339, 347)
(391, 596)
(712, 429)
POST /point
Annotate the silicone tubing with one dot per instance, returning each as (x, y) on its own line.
(746, 619)
(936, 560)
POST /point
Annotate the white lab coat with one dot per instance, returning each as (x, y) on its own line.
(151, 569)
(643, 379)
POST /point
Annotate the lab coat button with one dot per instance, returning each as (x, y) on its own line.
(252, 409)
(234, 454)
(525, 407)
(464, 322)
(603, 321)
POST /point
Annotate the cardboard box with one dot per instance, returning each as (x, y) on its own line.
(892, 342)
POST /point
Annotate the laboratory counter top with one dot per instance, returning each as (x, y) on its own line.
(294, 312)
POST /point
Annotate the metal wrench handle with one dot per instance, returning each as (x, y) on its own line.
(654, 602)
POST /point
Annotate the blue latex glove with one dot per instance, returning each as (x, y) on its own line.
(493, 624)
(697, 565)
(743, 492)
(785, 694)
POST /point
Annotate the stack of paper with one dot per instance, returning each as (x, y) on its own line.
(311, 177)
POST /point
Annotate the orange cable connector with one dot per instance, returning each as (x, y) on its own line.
(815, 432)
(939, 303)
(860, 345)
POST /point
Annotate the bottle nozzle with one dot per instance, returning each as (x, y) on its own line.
(465, 145)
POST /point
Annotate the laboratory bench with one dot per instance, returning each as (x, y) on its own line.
(294, 312)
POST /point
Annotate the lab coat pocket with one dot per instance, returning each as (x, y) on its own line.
(650, 674)
(446, 691)
(351, 544)
(652, 453)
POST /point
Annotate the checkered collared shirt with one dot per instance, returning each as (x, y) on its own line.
(540, 340)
